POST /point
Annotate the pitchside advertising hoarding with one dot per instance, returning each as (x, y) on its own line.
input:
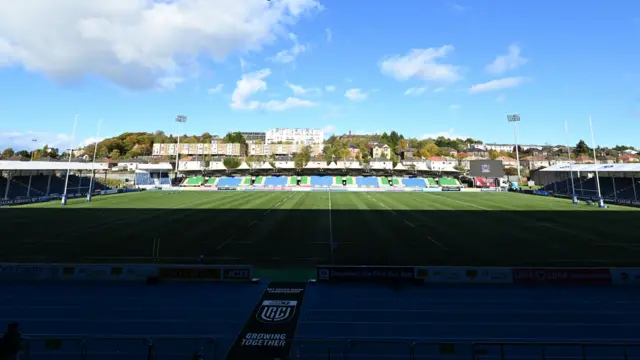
(562, 276)
(486, 168)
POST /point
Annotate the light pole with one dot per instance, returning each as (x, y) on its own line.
(595, 161)
(66, 180)
(574, 198)
(30, 174)
(93, 165)
(180, 119)
(514, 119)
(33, 151)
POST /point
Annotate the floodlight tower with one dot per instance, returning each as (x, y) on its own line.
(180, 119)
(93, 170)
(595, 161)
(574, 197)
(514, 119)
(66, 180)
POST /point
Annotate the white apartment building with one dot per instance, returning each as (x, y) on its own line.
(295, 136)
(507, 147)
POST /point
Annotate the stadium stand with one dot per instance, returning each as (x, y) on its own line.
(276, 181)
(367, 181)
(323, 181)
(292, 180)
(259, 180)
(397, 182)
(373, 313)
(246, 181)
(211, 182)
(305, 181)
(611, 188)
(448, 182)
(431, 182)
(228, 182)
(414, 182)
(172, 311)
(194, 181)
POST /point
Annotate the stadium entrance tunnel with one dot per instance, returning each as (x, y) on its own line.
(276, 237)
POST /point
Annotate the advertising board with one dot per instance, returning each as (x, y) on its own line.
(363, 273)
(451, 189)
(24, 272)
(464, 275)
(625, 276)
(566, 276)
(205, 273)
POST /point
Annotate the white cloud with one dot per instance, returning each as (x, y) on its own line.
(356, 95)
(504, 83)
(447, 134)
(135, 44)
(24, 140)
(329, 34)
(415, 91)
(421, 64)
(302, 91)
(215, 89)
(289, 55)
(454, 107)
(439, 89)
(329, 130)
(329, 88)
(501, 99)
(504, 63)
(253, 83)
(289, 103)
(169, 82)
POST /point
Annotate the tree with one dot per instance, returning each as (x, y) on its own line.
(402, 146)
(581, 148)
(23, 153)
(493, 154)
(231, 162)
(510, 171)
(115, 154)
(394, 139)
(302, 158)
(520, 149)
(7, 153)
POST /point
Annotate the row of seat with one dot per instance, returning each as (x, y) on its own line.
(610, 187)
(373, 314)
(41, 185)
(319, 181)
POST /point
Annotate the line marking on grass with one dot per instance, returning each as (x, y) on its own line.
(226, 242)
(381, 204)
(251, 223)
(438, 244)
(634, 247)
(410, 224)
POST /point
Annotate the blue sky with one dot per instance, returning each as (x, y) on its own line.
(423, 68)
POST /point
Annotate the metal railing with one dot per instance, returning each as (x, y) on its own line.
(478, 349)
(150, 348)
(84, 348)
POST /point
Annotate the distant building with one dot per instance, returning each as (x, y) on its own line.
(252, 136)
(216, 148)
(381, 150)
(507, 147)
(295, 136)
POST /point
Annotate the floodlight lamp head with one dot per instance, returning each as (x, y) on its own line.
(181, 118)
(514, 117)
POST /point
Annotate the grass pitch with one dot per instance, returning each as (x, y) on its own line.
(274, 229)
